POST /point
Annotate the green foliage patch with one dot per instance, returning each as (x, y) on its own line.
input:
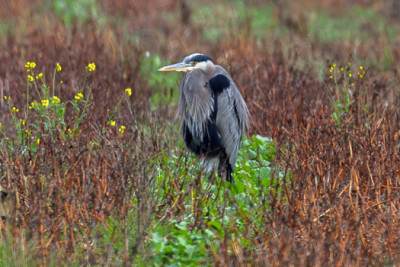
(354, 24)
(166, 87)
(219, 206)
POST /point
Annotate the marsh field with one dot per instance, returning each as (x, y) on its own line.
(94, 171)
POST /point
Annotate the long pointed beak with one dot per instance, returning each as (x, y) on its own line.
(177, 67)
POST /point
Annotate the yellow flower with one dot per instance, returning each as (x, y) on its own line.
(350, 75)
(91, 66)
(30, 78)
(32, 105)
(330, 77)
(128, 91)
(112, 123)
(361, 76)
(79, 96)
(361, 67)
(122, 129)
(38, 141)
(58, 67)
(30, 65)
(334, 65)
(45, 102)
(55, 100)
(22, 122)
(352, 84)
(71, 132)
(14, 109)
(39, 76)
(28, 132)
(5, 98)
(341, 69)
(0, 124)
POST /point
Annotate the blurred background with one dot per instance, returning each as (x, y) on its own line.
(320, 78)
(129, 39)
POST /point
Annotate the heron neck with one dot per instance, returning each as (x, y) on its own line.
(209, 69)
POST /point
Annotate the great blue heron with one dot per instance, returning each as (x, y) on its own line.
(212, 111)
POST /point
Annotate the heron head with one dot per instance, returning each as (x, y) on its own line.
(189, 63)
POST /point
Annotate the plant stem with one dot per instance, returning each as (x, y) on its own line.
(84, 80)
(54, 78)
(27, 102)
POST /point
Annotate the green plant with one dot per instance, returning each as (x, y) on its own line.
(216, 205)
(45, 118)
(177, 245)
(73, 10)
(16, 251)
(348, 26)
(341, 107)
(165, 86)
(344, 82)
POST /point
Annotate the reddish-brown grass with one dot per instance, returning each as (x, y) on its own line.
(340, 205)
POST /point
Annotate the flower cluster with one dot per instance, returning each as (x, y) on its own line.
(361, 74)
(39, 76)
(348, 73)
(30, 78)
(91, 66)
(331, 69)
(55, 100)
(58, 67)
(30, 65)
(79, 96)
(45, 102)
(32, 105)
(71, 131)
(121, 129)
(15, 110)
(112, 123)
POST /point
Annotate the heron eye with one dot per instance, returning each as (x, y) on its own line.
(194, 63)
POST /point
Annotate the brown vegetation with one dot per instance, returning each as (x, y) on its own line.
(340, 205)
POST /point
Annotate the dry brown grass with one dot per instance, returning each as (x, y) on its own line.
(339, 207)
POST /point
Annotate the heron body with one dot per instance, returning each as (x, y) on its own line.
(212, 111)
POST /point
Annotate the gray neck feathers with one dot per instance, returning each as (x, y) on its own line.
(196, 102)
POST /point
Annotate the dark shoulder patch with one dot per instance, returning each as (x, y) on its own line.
(218, 83)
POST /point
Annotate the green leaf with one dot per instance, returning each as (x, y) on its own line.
(215, 225)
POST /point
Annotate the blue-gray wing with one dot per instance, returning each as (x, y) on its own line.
(232, 118)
